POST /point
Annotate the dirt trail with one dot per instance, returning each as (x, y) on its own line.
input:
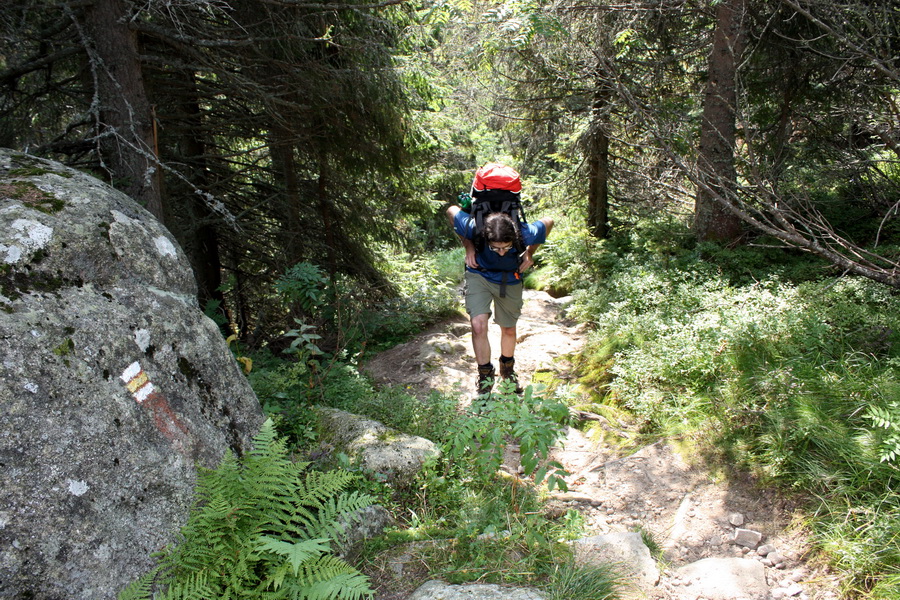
(441, 359)
(690, 512)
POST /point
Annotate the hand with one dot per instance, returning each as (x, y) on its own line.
(471, 262)
(527, 262)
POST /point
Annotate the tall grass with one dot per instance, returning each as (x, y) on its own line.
(797, 381)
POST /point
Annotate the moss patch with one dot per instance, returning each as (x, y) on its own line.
(65, 348)
(29, 172)
(29, 166)
(31, 195)
(545, 376)
(15, 283)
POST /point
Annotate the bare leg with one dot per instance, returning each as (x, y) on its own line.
(480, 342)
(507, 341)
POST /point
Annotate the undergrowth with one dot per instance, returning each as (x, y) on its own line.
(427, 292)
(468, 528)
(261, 527)
(756, 356)
(794, 378)
(484, 525)
(487, 526)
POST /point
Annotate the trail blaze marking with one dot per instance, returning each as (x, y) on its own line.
(138, 384)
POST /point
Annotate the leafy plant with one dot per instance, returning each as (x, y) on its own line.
(533, 421)
(887, 418)
(213, 310)
(304, 342)
(304, 283)
(246, 361)
(797, 382)
(261, 527)
(493, 530)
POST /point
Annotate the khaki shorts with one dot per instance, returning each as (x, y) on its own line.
(480, 293)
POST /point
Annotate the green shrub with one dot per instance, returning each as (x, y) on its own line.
(490, 530)
(427, 286)
(303, 284)
(567, 257)
(261, 527)
(533, 421)
(289, 389)
(395, 407)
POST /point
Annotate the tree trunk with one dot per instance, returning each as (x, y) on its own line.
(327, 218)
(125, 120)
(598, 170)
(200, 232)
(285, 170)
(712, 221)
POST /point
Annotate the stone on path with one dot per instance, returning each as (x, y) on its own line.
(746, 538)
(625, 550)
(438, 590)
(723, 579)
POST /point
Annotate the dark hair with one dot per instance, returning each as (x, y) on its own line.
(499, 227)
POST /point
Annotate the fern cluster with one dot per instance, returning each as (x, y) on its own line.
(260, 527)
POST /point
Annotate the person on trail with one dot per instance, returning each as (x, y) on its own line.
(496, 258)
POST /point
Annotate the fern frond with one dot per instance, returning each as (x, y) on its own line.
(140, 589)
(345, 587)
(319, 485)
(296, 553)
(194, 587)
(266, 440)
(331, 520)
(328, 577)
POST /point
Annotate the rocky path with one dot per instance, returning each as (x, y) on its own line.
(719, 539)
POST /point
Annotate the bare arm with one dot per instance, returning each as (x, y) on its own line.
(528, 256)
(467, 244)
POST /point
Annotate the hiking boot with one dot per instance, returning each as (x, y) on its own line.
(485, 379)
(508, 373)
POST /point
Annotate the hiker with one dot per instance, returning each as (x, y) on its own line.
(499, 249)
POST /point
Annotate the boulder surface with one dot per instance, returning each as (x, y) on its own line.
(113, 385)
(377, 447)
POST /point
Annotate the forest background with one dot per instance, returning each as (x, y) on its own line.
(724, 177)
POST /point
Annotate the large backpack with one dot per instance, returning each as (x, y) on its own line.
(497, 188)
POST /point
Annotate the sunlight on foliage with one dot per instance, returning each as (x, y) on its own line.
(571, 581)
(796, 381)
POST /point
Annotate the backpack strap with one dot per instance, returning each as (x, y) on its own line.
(478, 213)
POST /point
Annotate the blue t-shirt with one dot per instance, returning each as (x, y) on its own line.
(492, 264)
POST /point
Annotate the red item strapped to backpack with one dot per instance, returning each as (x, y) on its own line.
(494, 176)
